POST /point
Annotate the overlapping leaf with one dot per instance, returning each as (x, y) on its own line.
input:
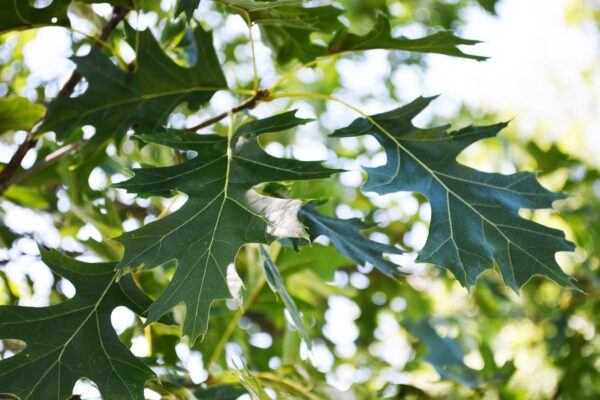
(277, 285)
(287, 26)
(116, 100)
(380, 37)
(20, 14)
(345, 234)
(475, 215)
(74, 339)
(222, 213)
(287, 13)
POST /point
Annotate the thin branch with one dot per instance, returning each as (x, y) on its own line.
(15, 162)
(66, 150)
(118, 15)
(6, 175)
(261, 94)
(50, 159)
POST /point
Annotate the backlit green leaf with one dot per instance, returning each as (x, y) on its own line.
(18, 113)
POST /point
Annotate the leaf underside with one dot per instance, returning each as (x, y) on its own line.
(475, 217)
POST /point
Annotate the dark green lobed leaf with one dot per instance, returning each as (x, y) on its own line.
(116, 100)
(380, 37)
(292, 39)
(475, 215)
(20, 14)
(222, 213)
(75, 338)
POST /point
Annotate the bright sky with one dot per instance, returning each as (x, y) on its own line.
(544, 71)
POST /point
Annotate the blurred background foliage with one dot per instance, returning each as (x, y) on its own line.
(372, 337)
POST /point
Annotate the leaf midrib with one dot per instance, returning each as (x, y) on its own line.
(146, 97)
(441, 182)
(66, 344)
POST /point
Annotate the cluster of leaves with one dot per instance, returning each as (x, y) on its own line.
(237, 197)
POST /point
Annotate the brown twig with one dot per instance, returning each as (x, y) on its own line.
(261, 94)
(14, 163)
(7, 177)
(118, 15)
(46, 162)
